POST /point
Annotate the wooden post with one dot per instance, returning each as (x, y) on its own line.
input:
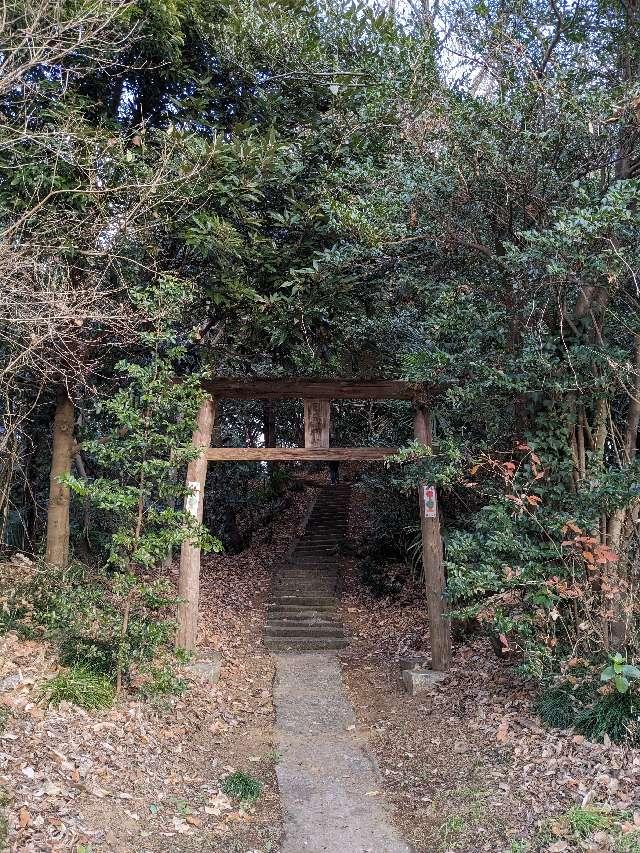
(269, 424)
(439, 622)
(317, 421)
(57, 553)
(269, 430)
(189, 580)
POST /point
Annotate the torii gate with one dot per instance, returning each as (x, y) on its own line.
(317, 396)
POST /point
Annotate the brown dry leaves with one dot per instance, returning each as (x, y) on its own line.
(145, 776)
(469, 766)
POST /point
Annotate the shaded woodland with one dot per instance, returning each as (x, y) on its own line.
(442, 193)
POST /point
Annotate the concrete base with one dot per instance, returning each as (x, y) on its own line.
(414, 660)
(207, 668)
(421, 680)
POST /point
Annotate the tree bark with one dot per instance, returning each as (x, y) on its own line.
(57, 553)
(189, 580)
(434, 577)
(619, 626)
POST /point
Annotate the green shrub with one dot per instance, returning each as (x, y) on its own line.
(615, 714)
(555, 705)
(161, 681)
(98, 656)
(591, 712)
(82, 687)
(242, 786)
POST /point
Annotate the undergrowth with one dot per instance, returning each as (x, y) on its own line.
(589, 828)
(584, 821)
(242, 786)
(82, 687)
(4, 822)
(161, 681)
(593, 708)
(111, 629)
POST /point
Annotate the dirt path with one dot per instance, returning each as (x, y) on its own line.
(329, 783)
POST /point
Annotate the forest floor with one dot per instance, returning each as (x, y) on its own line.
(145, 776)
(466, 767)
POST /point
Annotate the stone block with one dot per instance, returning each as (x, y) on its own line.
(207, 668)
(414, 660)
(421, 680)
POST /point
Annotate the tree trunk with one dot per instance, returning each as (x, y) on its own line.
(189, 581)
(434, 578)
(59, 497)
(619, 626)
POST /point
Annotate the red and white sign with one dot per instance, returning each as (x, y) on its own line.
(430, 501)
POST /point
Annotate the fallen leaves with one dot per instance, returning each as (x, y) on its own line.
(516, 774)
(145, 775)
(502, 734)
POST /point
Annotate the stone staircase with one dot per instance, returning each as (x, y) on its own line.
(303, 611)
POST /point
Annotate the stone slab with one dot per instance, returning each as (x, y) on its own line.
(330, 785)
(207, 668)
(421, 680)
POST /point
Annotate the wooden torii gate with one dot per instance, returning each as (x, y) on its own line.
(317, 396)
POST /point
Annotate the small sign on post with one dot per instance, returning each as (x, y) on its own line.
(193, 498)
(430, 501)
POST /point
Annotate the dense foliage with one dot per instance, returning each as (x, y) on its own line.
(448, 194)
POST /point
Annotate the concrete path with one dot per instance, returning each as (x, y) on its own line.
(328, 780)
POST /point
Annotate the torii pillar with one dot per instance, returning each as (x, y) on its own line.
(432, 558)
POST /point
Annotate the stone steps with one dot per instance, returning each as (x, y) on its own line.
(304, 644)
(289, 617)
(305, 630)
(302, 614)
(275, 610)
(304, 600)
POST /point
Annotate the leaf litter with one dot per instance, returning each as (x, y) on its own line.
(146, 776)
(469, 766)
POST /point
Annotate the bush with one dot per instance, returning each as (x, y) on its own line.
(592, 712)
(382, 578)
(82, 687)
(242, 786)
(615, 714)
(160, 681)
(555, 705)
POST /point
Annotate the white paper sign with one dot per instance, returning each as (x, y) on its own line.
(430, 501)
(193, 498)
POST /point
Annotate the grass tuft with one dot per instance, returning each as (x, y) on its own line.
(628, 843)
(615, 715)
(82, 687)
(4, 821)
(555, 706)
(242, 786)
(585, 821)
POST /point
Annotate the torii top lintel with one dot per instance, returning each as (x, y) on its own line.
(316, 389)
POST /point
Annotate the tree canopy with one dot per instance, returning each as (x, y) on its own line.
(443, 192)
